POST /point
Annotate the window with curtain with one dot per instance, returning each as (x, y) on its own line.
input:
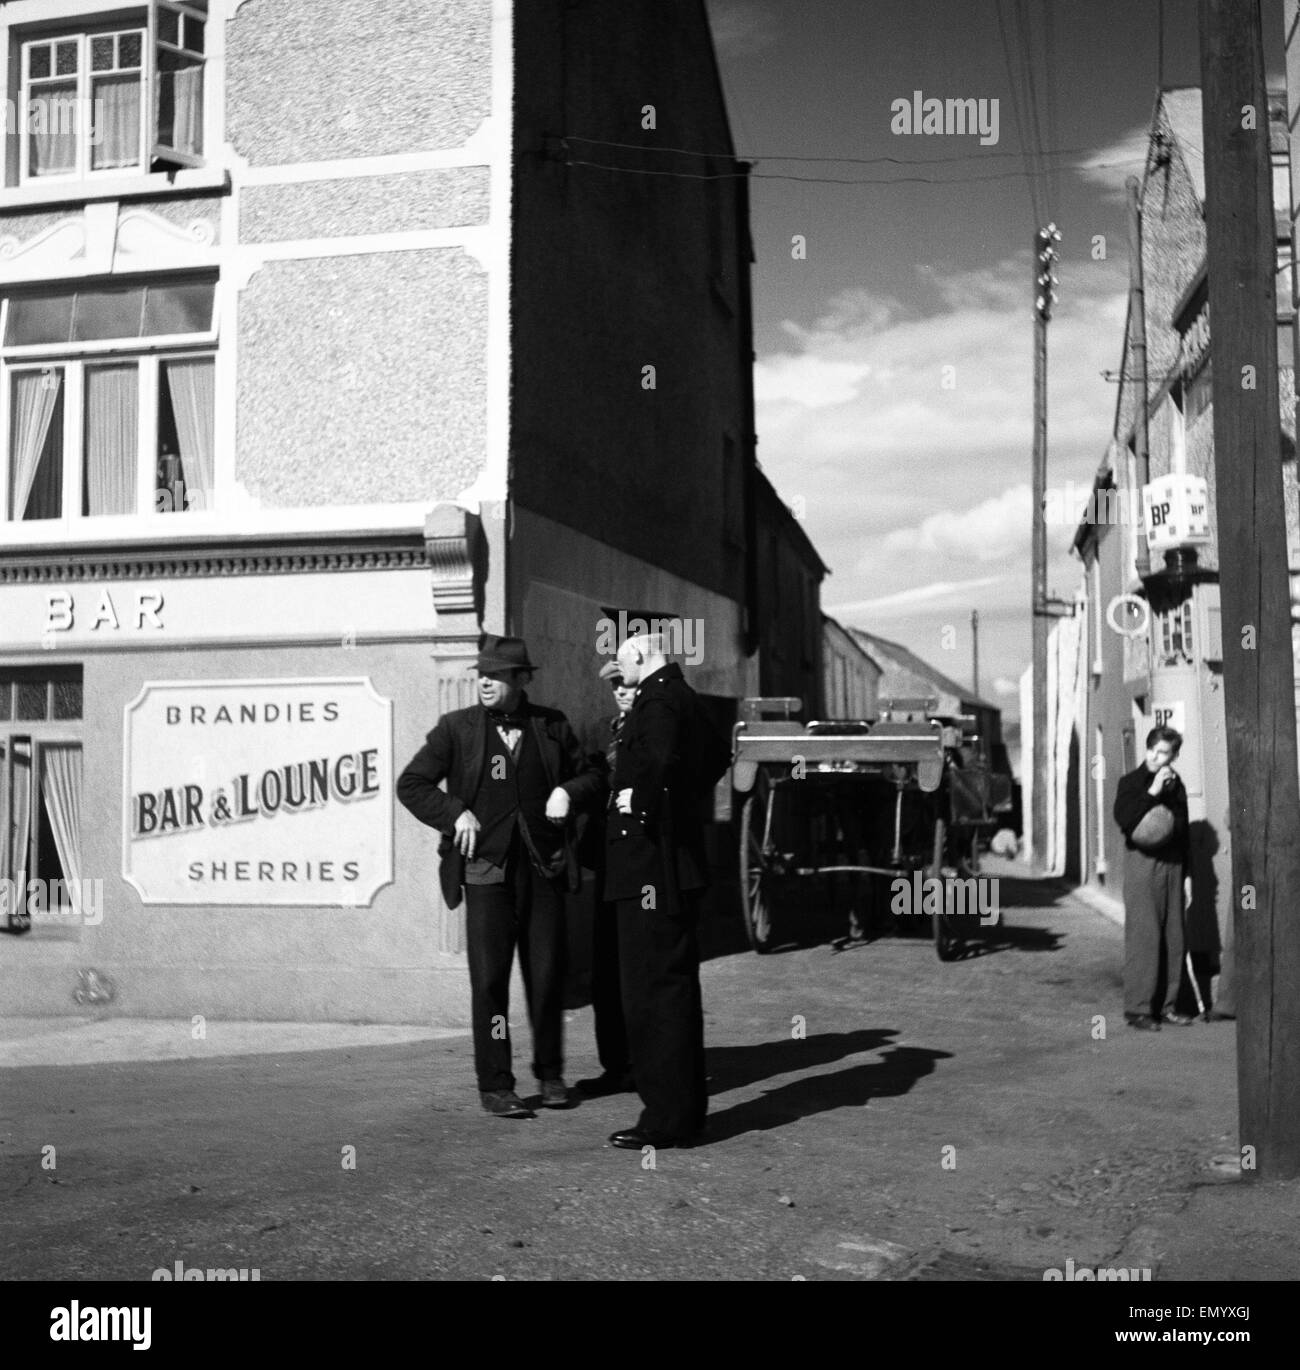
(83, 110)
(40, 794)
(97, 435)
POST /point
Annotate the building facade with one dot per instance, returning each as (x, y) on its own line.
(1141, 652)
(310, 375)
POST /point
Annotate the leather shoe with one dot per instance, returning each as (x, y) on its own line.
(609, 1082)
(505, 1103)
(1179, 1019)
(555, 1094)
(1144, 1022)
(634, 1138)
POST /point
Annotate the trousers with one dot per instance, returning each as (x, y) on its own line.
(659, 963)
(527, 911)
(1153, 933)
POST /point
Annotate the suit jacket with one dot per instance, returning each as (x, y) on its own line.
(662, 842)
(456, 751)
(1132, 802)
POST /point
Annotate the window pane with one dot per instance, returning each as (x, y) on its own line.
(180, 102)
(39, 319)
(67, 699)
(36, 445)
(130, 47)
(6, 712)
(169, 26)
(31, 699)
(115, 130)
(178, 308)
(65, 62)
(193, 34)
(109, 312)
(38, 61)
(101, 53)
(52, 129)
(124, 311)
(111, 446)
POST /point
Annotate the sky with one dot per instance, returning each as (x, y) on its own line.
(895, 369)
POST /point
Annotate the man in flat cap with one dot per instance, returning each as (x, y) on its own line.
(513, 770)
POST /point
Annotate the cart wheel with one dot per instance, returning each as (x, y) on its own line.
(947, 936)
(755, 874)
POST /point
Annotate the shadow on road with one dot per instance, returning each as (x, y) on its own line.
(732, 1067)
(854, 1087)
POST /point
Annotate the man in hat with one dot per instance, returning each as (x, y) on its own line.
(669, 757)
(513, 769)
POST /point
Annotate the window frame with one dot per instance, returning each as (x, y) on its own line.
(149, 354)
(159, 151)
(38, 734)
(82, 171)
(95, 20)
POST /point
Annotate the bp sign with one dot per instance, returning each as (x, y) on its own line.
(255, 792)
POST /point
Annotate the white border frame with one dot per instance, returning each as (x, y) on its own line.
(314, 682)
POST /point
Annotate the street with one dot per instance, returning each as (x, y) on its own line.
(875, 1114)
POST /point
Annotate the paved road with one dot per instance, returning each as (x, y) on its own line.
(874, 1113)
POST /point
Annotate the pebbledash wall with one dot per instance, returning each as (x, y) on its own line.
(352, 206)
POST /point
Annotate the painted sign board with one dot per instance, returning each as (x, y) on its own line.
(255, 792)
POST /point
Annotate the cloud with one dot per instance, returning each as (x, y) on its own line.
(903, 600)
(742, 27)
(809, 381)
(998, 529)
(1111, 166)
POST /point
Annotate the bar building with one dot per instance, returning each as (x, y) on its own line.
(331, 336)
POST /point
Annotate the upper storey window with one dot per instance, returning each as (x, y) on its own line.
(108, 99)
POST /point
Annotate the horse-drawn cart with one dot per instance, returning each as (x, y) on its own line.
(902, 800)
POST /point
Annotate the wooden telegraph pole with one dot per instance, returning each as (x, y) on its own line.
(1045, 282)
(975, 651)
(1257, 665)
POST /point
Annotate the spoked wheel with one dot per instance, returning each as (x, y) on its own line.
(948, 938)
(756, 867)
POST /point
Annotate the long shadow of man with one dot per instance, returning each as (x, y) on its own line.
(732, 1067)
(854, 1087)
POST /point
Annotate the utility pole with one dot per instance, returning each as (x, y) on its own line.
(1138, 316)
(1257, 666)
(975, 651)
(1045, 257)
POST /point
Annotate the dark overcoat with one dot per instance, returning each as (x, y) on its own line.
(456, 751)
(661, 844)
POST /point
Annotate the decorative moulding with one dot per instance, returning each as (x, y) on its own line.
(101, 240)
(193, 562)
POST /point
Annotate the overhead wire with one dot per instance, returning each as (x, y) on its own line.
(1031, 185)
(830, 180)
